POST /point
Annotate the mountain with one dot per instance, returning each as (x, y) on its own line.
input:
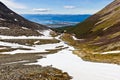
(13, 24)
(101, 30)
(56, 20)
(104, 22)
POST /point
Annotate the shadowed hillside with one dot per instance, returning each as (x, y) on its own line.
(13, 24)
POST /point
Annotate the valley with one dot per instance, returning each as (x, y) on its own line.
(98, 36)
(61, 47)
(15, 55)
(58, 55)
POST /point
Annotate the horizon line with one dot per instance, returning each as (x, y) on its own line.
(54, 14)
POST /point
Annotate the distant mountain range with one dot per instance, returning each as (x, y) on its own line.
(56, 20)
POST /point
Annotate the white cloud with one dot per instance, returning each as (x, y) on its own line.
(41, 10)
(69, 7)
(12, 4)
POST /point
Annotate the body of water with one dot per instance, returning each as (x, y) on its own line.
(53, 20)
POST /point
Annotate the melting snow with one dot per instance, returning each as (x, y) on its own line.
(67, 61)
(24, 28)
(36, 42)
(111, 52)
(79, 69)
(4, 28)
(11, 13)
(3, 48)
(76, 38)
(2, 19)
(34, 49)
(45, 33)
(15, 19)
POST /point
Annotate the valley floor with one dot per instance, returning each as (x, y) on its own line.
(16, 53)
(35, 61)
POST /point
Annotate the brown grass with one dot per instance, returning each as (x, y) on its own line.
(88, 52)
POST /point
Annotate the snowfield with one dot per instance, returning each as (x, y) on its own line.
(79, 69)
(34, 49)
(65, 59)
(46, 33)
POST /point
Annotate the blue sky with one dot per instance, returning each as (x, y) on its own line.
(56, 6)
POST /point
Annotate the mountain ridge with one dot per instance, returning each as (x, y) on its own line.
(16, 23)
(101, 31)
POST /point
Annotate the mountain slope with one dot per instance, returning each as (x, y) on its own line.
(13, 24)
(103, 22)
(102, 30)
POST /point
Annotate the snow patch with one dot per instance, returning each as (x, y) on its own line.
(3, 48)
(4, 28)
(36, 42)
(79, 69)
(24, 28)
(45, 33)
(68, 62)
(111, 52)
(34, 49)
(15, 20)
(77, 38)
(11, 13)
(14, 45)
(2, 19)
(25, 51)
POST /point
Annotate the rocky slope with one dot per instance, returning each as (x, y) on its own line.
(20, 33)
(13, 24)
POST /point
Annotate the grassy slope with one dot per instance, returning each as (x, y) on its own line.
(89, 53)
(100, 30)
(101, 22)
(101, 33)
